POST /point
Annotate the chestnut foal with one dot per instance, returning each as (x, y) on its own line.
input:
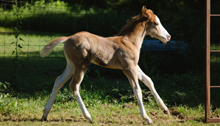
(118, 52)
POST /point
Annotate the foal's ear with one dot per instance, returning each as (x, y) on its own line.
(144, 9)
(146, 12)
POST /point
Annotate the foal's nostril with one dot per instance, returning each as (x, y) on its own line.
(168, 37)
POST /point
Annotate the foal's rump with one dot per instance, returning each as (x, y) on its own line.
(84, 45)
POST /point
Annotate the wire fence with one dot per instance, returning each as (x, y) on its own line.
(35, 26)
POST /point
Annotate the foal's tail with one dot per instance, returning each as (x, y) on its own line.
(49, 47)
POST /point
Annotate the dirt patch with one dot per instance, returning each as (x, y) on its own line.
(129, 105)
(175, 112)
(153, 113)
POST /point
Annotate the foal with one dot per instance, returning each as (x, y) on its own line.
(118, 52)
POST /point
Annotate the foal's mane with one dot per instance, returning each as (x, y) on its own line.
(129, 27)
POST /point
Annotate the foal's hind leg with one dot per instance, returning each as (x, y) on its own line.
(59, 82)
(75, 85)
(149, 83)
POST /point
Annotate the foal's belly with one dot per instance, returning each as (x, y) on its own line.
(108, 61)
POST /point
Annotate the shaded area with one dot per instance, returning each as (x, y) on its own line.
(64, 20)
(36, 74)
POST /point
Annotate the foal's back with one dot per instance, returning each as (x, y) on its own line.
(84, 47)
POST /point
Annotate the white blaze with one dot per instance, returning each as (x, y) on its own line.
(164, 34)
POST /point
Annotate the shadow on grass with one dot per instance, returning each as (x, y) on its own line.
(104, 23)
(202, 119)
(39, 120)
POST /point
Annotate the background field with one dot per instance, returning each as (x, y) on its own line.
(26, 80)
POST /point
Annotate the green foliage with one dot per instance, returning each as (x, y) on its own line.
(57, 4)
(5, 87)
(64, 96)
(7, 103)
(17, 43)
(59, 17)
(131, 5)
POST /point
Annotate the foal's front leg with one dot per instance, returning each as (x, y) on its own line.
(149, 83)
(132, 77)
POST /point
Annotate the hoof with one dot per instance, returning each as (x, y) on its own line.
(150, 122)
(88, 117)
(91, 121)
(166, 112)
(44, 119)
(147, 119)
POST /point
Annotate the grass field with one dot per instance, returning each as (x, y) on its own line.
(27, 110)
(33, 42)
(109, 99)
(102, 114)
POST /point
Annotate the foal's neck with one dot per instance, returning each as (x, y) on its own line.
(137, 35)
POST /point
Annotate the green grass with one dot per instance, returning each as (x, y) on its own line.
(64, 19)
(27, 110)
(33, 42)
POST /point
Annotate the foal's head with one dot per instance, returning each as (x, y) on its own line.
(153, 26)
